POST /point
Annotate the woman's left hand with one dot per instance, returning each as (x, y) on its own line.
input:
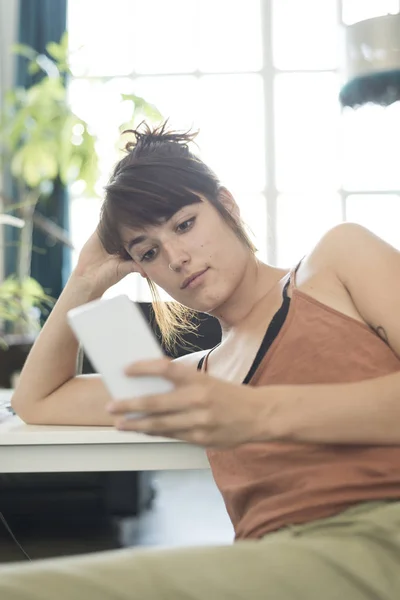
(200, 409)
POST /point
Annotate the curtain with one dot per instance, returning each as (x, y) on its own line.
(42, 21)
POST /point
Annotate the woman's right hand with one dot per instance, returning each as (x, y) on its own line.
(99, 269)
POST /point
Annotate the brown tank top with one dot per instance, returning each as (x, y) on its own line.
(269, 485)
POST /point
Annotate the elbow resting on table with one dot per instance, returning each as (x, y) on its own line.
(81, 400)
(27, 411)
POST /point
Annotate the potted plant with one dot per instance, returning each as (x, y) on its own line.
(20, 303)
(19, 299)
(42, 141)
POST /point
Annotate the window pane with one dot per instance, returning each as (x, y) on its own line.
(307, 116)
(163, 36)
(231, 120)
(101, 37)
(302, 221)
(100, 104)
(358, 10)
(229, 35)
(371, 148)
(175, 97)
(253, 210)
(305, 34)
(219, 106)
(379, 213)
(84, 216)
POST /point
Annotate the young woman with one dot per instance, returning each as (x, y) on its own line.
(298, 406)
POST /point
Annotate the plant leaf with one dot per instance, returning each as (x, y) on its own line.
(56, 51)
(24, 50)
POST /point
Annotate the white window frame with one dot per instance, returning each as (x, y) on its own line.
(269, 73)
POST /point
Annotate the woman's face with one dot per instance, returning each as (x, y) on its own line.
(194, 256)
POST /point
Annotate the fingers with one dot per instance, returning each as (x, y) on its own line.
(126, 267)
(164, 367)
(178, 400)
(171, 424)
(191, 427)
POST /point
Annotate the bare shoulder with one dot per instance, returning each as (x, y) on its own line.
(320, 266)
(191, 359)
(352, 251)
(358, 273)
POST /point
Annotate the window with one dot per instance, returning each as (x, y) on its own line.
(247, 74)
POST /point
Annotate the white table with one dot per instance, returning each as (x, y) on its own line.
(48, 449)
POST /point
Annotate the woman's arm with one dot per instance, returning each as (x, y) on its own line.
(48, 392)
(365, 412)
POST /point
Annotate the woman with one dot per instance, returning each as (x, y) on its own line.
(307, 456)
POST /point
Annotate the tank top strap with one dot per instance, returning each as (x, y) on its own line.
(285, 289)
(203, 362)
(292, 276)
(290, 284)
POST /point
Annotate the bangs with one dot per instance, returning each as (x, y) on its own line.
(155, 210)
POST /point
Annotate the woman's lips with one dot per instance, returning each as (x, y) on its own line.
(198, 280)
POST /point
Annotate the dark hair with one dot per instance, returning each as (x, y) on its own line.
(158, 176)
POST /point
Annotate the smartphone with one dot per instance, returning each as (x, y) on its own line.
(114, 333)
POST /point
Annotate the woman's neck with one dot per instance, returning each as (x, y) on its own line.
(258, 281)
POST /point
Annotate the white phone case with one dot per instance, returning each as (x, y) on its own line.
(114, 333)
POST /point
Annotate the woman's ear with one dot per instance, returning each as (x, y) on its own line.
(228, 201)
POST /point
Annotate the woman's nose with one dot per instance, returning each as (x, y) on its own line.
(177, 257)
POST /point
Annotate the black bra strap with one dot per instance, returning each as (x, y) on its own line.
(272, 332)
(200, 363)
(285, 297)
(285, 289)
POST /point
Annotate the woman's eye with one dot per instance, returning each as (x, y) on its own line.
(148, 255)
(186, 224)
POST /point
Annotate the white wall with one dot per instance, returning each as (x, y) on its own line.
(8, 32)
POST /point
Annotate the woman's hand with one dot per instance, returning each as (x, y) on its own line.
(100, 269)
(201, 409)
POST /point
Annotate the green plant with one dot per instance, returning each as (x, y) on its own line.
(18, 300)
(43, 141)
